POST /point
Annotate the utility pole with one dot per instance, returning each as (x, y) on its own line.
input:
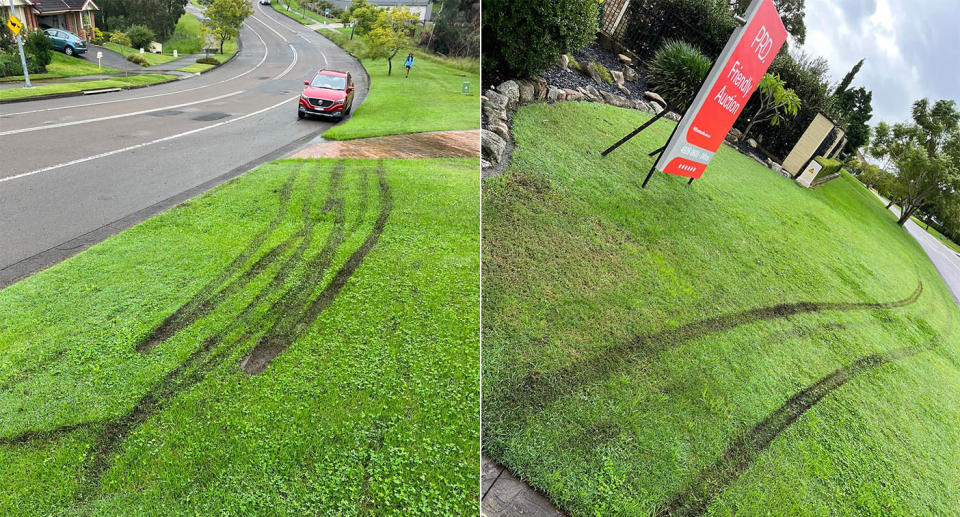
(23, 60)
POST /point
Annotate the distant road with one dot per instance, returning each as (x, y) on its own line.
(944, 259)
(76, 170)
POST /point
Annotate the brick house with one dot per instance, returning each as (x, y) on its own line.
(75, 16)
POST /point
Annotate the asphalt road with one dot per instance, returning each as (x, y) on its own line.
(76, 170)
(945, 260)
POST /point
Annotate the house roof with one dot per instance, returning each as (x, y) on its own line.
(47, 6)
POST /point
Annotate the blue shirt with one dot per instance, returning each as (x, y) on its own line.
(409, 61)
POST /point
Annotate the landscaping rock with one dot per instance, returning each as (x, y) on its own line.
(752, 143)
(655, 98)
(617, 77)
(672, 116)
(624, 59)
(511, 91)
(656, 108)
(526, 91)
(572, 95)
(500, 128)
(491, 146)
(593, 94)
(563, 62)
(592, 72)
(735, 133)
(553, 93)
(629, 73)
(495, 101)
(623, 89)
(539, 89)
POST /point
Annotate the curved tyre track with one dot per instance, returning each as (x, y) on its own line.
(537, 391)
(290, 314)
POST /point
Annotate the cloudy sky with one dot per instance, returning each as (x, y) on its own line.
(912, 49)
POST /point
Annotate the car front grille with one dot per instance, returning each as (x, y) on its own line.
(320, 103)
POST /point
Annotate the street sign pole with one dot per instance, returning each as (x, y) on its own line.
(23, 60)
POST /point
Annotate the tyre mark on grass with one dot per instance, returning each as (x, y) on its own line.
(202, 361)
(192, 310)
(286, 329)
(215, 349)
(738, 457)
(538, 391)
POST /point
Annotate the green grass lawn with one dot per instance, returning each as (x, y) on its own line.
(429, 100)
(116, 82)
(196, 68)
(307, 17)
(739, 346)
(62, 65)
(153, 59)
(123, 381)
(188, 38)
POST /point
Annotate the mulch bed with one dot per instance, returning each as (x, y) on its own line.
(594, 52)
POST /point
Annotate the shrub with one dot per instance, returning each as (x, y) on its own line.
(138, 59)
(829, 166)
(208, 61)
(38, 45)
(602, 72)
(573, 62)
(677, 70)
(524, 38)
(97, 36)
(10, 64)
(140, 36)
(120, 38)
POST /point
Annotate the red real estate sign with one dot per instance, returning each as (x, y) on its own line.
(731, 81)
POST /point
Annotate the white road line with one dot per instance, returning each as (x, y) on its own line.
(112, 117)
(292, 63)
(281, 36)
(266, 51)
(144, 144)
(284, 25)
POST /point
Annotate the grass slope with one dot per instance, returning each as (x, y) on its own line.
(429, 100)
(196, 68)
(188, 38)
(644, 351)
(293, 9)
(116, 82)
(122, 375)
(152, 59)
(62, 65)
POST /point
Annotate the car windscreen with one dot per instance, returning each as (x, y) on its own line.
(330, 82)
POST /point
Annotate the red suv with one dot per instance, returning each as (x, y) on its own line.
(329, 93)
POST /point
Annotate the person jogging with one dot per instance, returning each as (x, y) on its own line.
(408, 63)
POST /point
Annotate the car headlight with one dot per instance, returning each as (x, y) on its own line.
(340, 101)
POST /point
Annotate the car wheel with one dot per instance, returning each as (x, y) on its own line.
(348, 110)
(300, 113)
(68, 50)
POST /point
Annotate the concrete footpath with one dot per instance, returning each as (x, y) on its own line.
(503, 495)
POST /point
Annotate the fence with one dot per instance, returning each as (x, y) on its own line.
(641, 26)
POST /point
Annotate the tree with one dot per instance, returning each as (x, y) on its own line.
(390, 34)
(140, 36)
(854, 112)
(225, 17)
(363, 17)
(926, 154)
(121, 39)
(791, 13)
(775, 99)
(845, 83)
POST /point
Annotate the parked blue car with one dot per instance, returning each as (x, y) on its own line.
(66, 42)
